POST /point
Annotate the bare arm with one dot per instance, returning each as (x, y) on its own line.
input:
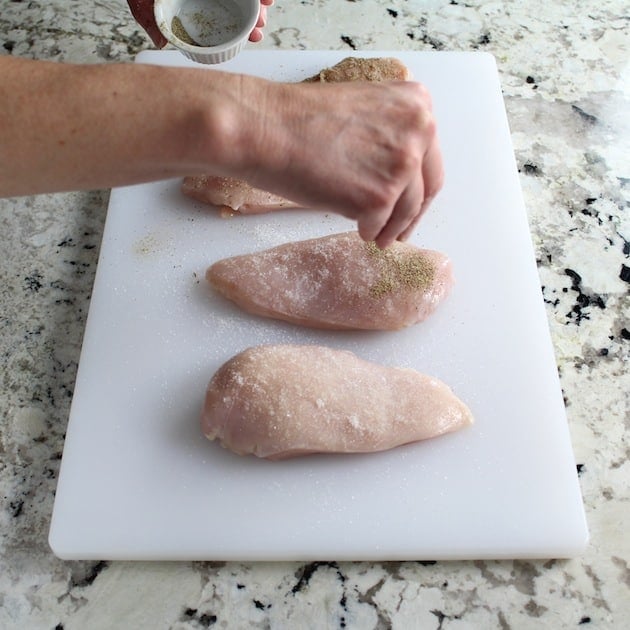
(67, 127)
(367, 151)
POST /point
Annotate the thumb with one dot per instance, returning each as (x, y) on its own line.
(142, 11)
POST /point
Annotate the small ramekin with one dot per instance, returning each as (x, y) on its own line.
(166, 10)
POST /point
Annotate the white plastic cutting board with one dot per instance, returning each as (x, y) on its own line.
(139, 481)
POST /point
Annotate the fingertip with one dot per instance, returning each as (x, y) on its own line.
(383, 242)
(256, 36)
(366, 233)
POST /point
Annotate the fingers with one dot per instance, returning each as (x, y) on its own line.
(433, 178)
(432, 170)
(417, 197)
(257, 35)
(424, 180)
(405, 213)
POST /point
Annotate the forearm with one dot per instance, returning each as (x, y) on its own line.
(366, 150)
(68, 127)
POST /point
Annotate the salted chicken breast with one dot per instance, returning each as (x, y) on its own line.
(337, 282)
(281, 401)
(232, 195)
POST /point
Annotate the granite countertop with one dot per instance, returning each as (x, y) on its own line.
(565, 72)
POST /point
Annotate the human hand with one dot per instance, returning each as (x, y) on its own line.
(142, 11)
(368, 151)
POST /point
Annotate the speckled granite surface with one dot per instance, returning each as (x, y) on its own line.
(565, 71)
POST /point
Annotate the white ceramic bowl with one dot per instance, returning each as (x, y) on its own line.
(207, 31)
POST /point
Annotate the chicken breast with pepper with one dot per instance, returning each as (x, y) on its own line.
(337, 282)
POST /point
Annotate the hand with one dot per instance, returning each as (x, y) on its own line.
(368, 151)
(142, 11)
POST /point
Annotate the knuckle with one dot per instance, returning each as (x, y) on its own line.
(373, 205)
(410, 164)
(382, 199)
(427, 124)
(421, 95)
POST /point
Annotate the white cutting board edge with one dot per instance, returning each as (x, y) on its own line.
(138, 481)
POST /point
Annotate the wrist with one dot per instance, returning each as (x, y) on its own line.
(227, 125)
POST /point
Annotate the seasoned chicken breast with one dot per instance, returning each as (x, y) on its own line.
(236, 196)
(363, 69)
(337, 282)
(281, 401)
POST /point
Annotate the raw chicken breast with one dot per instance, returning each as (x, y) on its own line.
(232, 196)
(286, 400)
(236, 196)
(337, 282)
